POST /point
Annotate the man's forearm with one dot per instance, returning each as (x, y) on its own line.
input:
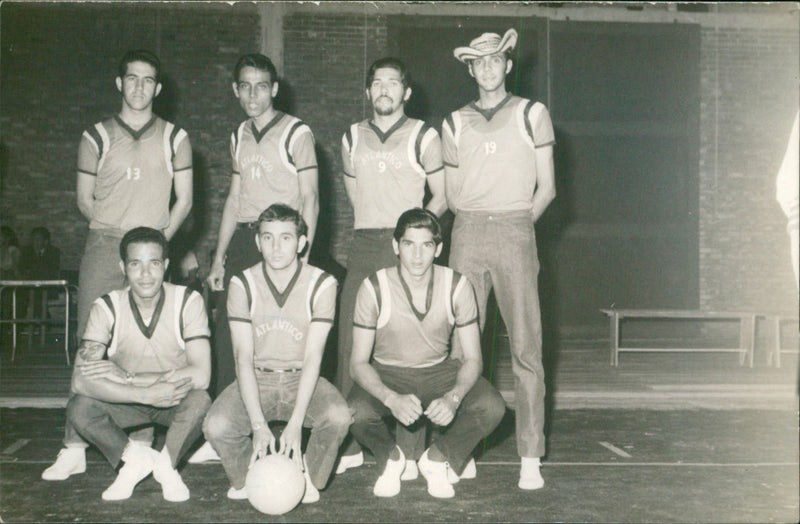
(310, 214)
(180, 210)
(365, 376)
(467, 376)
(227, 227)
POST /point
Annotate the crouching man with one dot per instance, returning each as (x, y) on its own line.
(280, 312)
(404, 318)
(155, 336)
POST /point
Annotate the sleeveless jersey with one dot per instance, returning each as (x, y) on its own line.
(390, 168)
(404, 336)
(134, 171)
(491, 154)
(269, 163)
(280, 321)
(159, 346)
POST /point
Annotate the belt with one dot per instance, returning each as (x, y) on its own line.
(248, 225)
(267, 370)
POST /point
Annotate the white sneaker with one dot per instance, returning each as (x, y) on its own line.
(388, 484)
(70, 461)
(312, 493)
(237, 494)
(138, 463)
(411, 471)
(172, 487)
(530, 477)
(205, 453)
(470, 472)
(350, 461)
(436, 475)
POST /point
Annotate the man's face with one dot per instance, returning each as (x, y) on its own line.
(386, 92)
(139, 86)
(490, 71)
(279, 244)
(255, 91)
(145, 268)
(39, 242)
(416, 250)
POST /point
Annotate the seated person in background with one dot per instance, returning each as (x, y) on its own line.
(280, 312)
(156, 337)
(9, 254)
(39, 261)
(404, 318)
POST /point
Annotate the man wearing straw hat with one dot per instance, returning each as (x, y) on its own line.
(498, 156)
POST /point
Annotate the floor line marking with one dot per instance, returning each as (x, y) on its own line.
(16, 446)
(546, 464)
(614, 448)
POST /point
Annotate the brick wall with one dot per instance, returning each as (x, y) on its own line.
(749, 95)
(58, 69)
(325, 61)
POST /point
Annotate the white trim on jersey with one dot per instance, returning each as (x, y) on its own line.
(448, 282)
(385, 311)
(411, 149)
(519, 113)
(282, 151)
(236, 143)
(248, 274)
(301, 130)
(180, 292)
(311, 301)
(101, 130)
(114, 296)
(352, 152)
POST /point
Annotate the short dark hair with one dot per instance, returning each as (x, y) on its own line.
(283, 213)
(418, 218)
(142, 235)
(390, 62)
(42, 232)
(139, 55)
(260, 62)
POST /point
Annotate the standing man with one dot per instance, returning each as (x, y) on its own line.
(280, 312)
(405, 316)
(388, 160)
(273, 162)
(128, 167)
(159, 363)
(498, 155)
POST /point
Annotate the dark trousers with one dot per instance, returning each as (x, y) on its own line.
(480, 411)
(242, 254)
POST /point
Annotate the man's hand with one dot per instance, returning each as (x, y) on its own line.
(216, 277)
(166, 394)
(405, 408)
(442, 410)
(290, 442)
(263, 443)
(96, 369)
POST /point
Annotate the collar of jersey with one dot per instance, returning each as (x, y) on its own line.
(146, 330)
(279, 297)
(420, 315)
(383, 137)
(260, 134)
(135, 134)
(489, 113)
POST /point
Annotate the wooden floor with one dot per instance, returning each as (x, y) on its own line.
(578, 375)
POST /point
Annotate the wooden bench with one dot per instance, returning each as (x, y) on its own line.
(746, 319)
(775, 321)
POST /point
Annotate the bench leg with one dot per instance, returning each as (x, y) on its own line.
(776, 326)
(614, 342)
(747, 340)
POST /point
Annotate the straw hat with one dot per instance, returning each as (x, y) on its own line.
(485, 45)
